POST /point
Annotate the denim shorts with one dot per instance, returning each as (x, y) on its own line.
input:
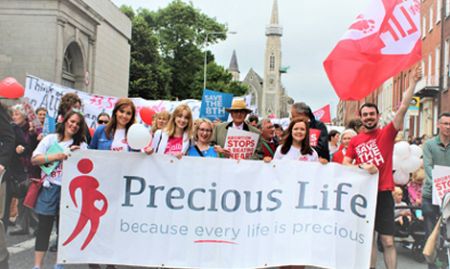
(48, 200)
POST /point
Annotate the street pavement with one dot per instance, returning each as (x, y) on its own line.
(21, 249)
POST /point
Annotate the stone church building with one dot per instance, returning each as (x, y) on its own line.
(268, 94)
(82, 44)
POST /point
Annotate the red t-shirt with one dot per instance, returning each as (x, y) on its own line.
(338, 156)
(174, 145)
(376, 147)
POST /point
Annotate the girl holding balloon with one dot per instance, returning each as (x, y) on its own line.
(113, 135)
(176, 137)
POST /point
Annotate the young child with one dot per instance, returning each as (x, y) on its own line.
(402, 216)
(415, 187)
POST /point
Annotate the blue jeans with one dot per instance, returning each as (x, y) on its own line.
(431, 215)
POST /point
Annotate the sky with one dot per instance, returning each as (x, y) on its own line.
(311, 29)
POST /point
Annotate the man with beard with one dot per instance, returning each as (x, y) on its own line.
(372, 150)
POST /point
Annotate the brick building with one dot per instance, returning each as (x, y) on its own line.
(435, 27)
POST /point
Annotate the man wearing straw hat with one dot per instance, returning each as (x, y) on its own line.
(238, 112)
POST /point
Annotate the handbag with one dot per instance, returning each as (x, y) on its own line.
(429, 250)
(32, 193)
(19, 186)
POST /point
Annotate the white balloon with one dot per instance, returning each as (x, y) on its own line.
(415, 150)
(138, 136)
(400, 177)
(401, 150)
(411, 164)
(395, 163)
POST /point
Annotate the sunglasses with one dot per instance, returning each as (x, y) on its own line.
(102, 122)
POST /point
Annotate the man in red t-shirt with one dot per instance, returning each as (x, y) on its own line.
(372, 150)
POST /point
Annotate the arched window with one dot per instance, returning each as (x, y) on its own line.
(73, 67)
(272, 62)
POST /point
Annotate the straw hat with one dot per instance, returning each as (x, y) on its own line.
(238, 105)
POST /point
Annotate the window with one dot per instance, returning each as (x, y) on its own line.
(447, 7)
(424, 26)
(438, 11)
(430, 27)
(436, 66)
(68, 76)
(429, 69)
(272, 62)
(446, 48)
(73, 71)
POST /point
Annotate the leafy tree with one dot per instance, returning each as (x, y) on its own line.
(166, 52)
(218, 79)
(148, 72)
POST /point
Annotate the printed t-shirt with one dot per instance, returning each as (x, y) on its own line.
(295, 154)
(55, 176)
(119, 142)
(174, 145)
(376, 147)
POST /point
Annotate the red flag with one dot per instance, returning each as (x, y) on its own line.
(383, 41)
(323, 114)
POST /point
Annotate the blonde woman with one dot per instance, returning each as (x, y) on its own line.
(175, 138)
(203, 130)
(160, 121)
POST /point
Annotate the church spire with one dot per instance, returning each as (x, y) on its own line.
(274, 16)
(274, 29)
(233, 63)
(234, 68)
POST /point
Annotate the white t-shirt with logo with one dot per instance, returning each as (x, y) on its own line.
(119, 142)
(295, 154)
(55, 176)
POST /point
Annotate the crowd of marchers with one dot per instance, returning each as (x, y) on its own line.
(23, 150)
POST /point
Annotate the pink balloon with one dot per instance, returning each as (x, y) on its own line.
(10, 88)
(146, 114)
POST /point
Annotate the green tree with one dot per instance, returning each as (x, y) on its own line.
(218, 79)
(182, 30)
(149, 74)
(167, 50)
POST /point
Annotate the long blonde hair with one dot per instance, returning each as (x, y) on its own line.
(171, 126)
(162, 114)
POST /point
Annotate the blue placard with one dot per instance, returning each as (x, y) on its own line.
(49, 125)
(214, 104)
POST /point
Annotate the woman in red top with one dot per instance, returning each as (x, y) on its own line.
(347, 135)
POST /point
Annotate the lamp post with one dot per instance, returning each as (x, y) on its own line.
(206, 53)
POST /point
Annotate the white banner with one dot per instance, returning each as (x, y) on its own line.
(42, 93)
(158, 211)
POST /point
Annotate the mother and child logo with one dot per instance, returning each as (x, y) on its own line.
(94, 204)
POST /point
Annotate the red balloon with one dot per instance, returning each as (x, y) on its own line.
(146, 114)
(10, 88)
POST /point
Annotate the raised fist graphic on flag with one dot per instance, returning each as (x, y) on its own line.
(382, 41)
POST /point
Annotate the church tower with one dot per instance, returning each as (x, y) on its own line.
(234, 68)
(272, 88)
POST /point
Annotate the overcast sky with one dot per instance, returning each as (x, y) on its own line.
(311, 29)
